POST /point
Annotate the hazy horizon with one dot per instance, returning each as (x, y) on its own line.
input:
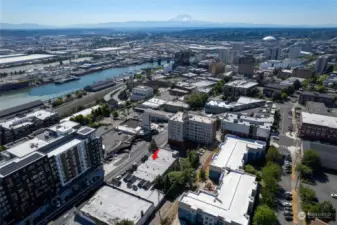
(72, 12)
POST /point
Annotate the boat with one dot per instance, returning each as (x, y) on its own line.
(13, 85)
(67, 79)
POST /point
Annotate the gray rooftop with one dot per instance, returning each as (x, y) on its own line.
(111, 205)
(317, 108)
(155, 166)
(18, 163)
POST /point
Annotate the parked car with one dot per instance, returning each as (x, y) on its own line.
(334, 195)
(288, 193)
(287, 204)
(276, 137)
(288, 213)
(288, 218)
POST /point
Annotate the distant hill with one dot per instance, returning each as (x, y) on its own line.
(24, 26)
(180, 21)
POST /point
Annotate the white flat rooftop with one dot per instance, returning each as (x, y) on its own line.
(84, 112)
(155, 166)
(241, 84)
(64, 147)
(108, 49)
(319, 120)
(24, 58)
(201, 119)
(232, 152)
(246, 100)
(17, 122)
(27, 147)
(231, 201)
(110, 205)
(154, 103)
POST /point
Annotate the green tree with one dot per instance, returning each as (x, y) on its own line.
(57, 102)
(277, 96)
(2, 148)
(307, 194)
(320, 88)
(284, 96)
(153, 146)
(197, 100)
(115, 114)
(250, 169)
(202, 174)
(273, 155)
(272, 170)
(264, 216)
(324, 208)
(125, 222)
(193, 158)
(312, 159)
(305, 171)
(297, 84)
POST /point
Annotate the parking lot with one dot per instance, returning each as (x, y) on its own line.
(324, 187)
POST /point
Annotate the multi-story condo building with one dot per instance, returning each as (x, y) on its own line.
(141, 93)
(303, 72)
(26, 183)
(231, 202)
(318, 127)
(327, 99)
(240, 87)
(234, 153)
(214, 106)
(246, 65)
(187, 127)
(233, 199)
(246, 126)
(321, 64)
(34, 171)
(20, 126)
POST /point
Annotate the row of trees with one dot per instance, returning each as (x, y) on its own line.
(91, 120)
(197, 100)
(310, 165)
(283, 95)
(310, 205)
(59, 101)
(271, 173)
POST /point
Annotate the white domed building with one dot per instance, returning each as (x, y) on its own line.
(272, 49)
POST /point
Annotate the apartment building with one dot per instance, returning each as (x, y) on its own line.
(188, 127)
(235, 152)
(240, 87)
(243, 103)
(34, 171)
(316, 127)
(25, 184)
(246, 65)
(141, 93)
(20, 126)
(231, 202)
(328, 100)
(246, 126)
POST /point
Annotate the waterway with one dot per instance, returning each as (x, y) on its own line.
(49, 91)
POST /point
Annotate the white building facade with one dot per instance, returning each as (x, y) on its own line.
(186, 127)
(141, 93)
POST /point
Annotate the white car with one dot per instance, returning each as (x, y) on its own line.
(334, 195)
(287, 204)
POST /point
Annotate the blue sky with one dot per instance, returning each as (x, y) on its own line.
(67, 12)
